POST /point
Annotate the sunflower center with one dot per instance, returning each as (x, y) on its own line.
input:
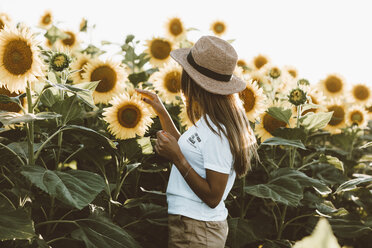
(107, 77)
(270, 124)
(176, 27)
(260, 61)
(59, 60)
(17, 57)
(333, 84)
(338, 115)
(293, 73)
(241, 63)
(356, 117)
(361, 92)
(160, 49)
(173, 81)
(369, 109)
(129, 116)
(47, 19)
(219, 27)
(249, 99)
(9, 107)
(69, 41)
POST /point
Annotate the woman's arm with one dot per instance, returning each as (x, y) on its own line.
(165, 119)
(210, 190)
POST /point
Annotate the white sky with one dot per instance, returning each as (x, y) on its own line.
(318, 37)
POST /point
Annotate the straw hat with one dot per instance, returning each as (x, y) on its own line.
(211, 63)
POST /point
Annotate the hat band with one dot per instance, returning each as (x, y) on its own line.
(206, 71)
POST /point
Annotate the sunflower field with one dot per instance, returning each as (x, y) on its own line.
(78, 169)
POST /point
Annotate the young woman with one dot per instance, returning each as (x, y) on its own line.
(209, 155)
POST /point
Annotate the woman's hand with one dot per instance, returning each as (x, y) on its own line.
(167, 146)
(152, 99)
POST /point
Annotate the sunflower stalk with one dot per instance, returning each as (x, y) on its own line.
(30, 126)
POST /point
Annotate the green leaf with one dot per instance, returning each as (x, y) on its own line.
(284, 189)
(86, 95)
(48, 98)
(241, 232)
(314, 121)
(75, 187)
(290, 133)
(15, 224)
(130, 38)
(275, 141)
(99, 232)
(302, 178)
(69, 108)
(7, 99)
(145, 144)
(8, 118)
(338, 164)
(280, 113)
(351, 184)
(348, 228)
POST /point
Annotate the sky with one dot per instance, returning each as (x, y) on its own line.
(318, 37)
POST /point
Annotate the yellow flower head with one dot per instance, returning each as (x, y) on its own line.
(19, 58)
(70, 43)
(361, 94)
(332, 86)
(78, 65)
(259, 61)
(159, 50)
(218, 28)
(175, 29)
(111, 76)
(127, 117)
(338, 119)
(253, 100)
(268, 125)
(316, 97)
(168, 82)
(291, 70)
(46, 20)
(357, 115)
(184, 118)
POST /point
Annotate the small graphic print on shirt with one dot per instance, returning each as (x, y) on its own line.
(193, 138)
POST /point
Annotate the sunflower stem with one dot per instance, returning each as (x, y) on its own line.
(30, 126)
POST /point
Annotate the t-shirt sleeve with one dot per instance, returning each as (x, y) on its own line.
(216, 154)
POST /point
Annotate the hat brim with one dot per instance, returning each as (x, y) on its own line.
(235, 85)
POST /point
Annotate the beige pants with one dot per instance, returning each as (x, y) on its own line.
(186, 232)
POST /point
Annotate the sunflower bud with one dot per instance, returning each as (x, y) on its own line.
(275, 72)
(59, 61)
(297, 97)
(303, 82)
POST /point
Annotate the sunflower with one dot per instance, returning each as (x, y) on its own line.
(19, 58)
(218, 28)
(127, 117)
(11, 107)
(292, 71)
(242, 64)
(357, 115)
(78, 65)
(168, 82)
(111, 76)
(315, 97)
(332, 86)
(70, 43)
(175, 29)
(338, 119)
(253, 100)
(184, 118)
(159, 50)
(259, 61)
(369, 112)
(4, 20)
(361, 94)
(46, 20)
(268, 125)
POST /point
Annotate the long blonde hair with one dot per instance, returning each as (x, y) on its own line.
(224, 111)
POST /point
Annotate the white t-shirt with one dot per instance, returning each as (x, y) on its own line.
(203, 150)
